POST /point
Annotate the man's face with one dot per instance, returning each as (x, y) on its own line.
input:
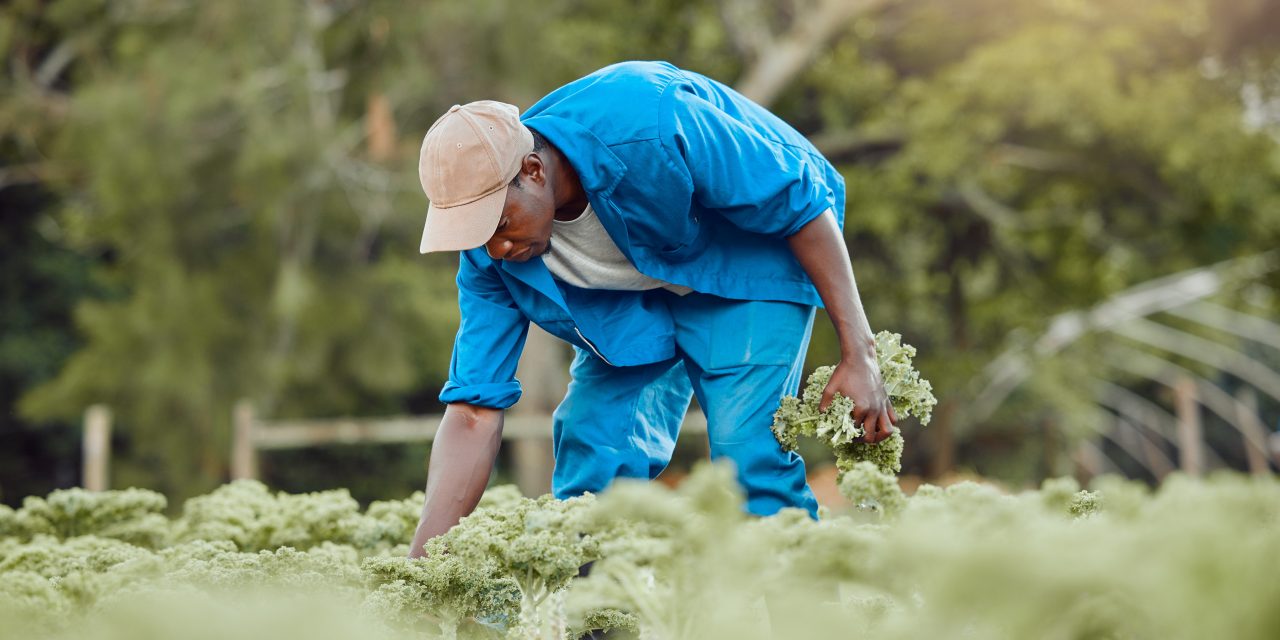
(524, 230)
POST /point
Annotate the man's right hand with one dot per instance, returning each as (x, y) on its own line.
(462, 458)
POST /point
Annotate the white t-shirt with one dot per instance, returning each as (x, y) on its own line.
(583, 255)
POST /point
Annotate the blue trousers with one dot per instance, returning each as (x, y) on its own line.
(738, 357)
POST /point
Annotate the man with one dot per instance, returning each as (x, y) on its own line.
(676, 234)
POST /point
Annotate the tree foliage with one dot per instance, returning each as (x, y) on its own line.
(239, 176)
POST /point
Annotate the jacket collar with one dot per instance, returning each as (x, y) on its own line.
(598, 168)
(534, 273)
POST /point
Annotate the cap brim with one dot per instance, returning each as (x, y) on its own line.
(465, 226)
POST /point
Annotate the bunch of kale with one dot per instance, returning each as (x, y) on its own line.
(910, 395)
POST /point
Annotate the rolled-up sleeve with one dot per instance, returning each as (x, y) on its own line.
(757, 183)
(491, 335)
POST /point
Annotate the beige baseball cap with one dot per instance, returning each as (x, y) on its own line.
(468, 159)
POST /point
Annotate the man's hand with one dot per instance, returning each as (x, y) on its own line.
(859, 380)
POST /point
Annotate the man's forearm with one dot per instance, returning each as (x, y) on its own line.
(461, 460)
(821, 250)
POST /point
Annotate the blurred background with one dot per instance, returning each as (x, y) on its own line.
(210, 220)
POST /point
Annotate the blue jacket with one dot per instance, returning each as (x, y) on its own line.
(697, 186)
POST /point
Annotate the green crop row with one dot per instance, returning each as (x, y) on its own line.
(1195, 559)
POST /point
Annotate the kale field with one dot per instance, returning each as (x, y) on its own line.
(1195, 559)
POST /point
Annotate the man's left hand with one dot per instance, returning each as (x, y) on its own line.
(859, 380)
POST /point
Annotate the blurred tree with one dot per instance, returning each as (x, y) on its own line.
(1008, 162)
(40, 280)
(39, 284)
(216, 159)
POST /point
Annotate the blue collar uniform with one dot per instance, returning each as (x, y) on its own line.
(697, 186)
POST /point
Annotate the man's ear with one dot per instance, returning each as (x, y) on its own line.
(533, 169)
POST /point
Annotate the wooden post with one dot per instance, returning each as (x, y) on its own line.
(1050, 450)
(942, 442)
(1088, 461)
(1157, 459)
(543, 377)
(1255, 440)
(244, 454)
(97, 447)
(1190, 432)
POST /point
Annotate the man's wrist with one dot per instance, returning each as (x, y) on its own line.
(861, 347)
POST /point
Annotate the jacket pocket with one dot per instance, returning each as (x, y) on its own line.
(686, 243)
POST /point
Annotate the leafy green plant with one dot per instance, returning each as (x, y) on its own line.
(247, 513)
(867, 486)
(441, 589)
(132, 515)
(540, 544)
(909, 394)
